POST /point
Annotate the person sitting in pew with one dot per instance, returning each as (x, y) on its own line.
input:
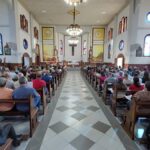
(126, 80)
(46, 77)
(5, 93)
(136, 86)
(8, 131)
(38, 83)
(9, 83)
(145, 94)
(24, 92)
(111, 79)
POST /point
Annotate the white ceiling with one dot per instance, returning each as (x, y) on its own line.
(94, 12)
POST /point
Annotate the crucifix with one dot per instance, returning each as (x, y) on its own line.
(73, 49)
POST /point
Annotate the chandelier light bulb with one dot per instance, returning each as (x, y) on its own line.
(73, 41)
(75, 2)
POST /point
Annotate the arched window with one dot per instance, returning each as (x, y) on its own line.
(148, 17)
(123, 24)
(147, 45)
(1, 44)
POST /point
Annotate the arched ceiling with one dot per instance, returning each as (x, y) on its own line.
(54, 12)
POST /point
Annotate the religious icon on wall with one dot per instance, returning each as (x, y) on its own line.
(98, 44)
(84, 47)
(110, 34)
(48, 33)
(139, 52)
(61, 47)
(109, 51)
(36, 33)
(121, 45)
(23, 23)
(25, 44)
(1, 44)
(7, 49)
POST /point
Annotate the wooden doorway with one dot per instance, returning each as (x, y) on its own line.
(26, 61)
(120, 61)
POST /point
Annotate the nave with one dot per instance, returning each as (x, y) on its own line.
(80, 121)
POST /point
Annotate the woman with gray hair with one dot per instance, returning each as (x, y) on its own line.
(5, 93)
(9, 83)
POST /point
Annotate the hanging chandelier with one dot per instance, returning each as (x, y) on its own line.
(74, 29)
(75, 2)
(73, 41)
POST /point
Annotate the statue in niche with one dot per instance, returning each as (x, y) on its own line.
(7, 49)
(139, 52)
(109, 51)
(136, 50)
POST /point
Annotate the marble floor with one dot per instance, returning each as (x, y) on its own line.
(80, 122)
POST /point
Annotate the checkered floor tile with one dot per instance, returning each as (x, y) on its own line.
(78, 122)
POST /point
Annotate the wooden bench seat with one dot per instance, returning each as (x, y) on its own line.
(41, 91)
(32, 113)
(7, 145)
(138, 109)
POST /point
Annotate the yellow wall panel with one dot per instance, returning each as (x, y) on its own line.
(98, 51)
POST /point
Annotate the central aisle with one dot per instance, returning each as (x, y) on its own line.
(78, 123)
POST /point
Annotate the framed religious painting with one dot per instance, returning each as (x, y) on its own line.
(48, 33)
(98, 37)
(1, 44)
(121, 45)
(48, 43)
(98, 34)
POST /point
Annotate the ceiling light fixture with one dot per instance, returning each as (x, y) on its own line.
(74, 29)
(74, 2)
(73, 41)
(43, 11)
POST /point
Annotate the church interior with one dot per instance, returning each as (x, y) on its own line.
(75, 75)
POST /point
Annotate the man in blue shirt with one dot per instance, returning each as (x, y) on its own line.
(24, 92)
(46, 77)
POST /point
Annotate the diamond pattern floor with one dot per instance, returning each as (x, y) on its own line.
(78, 123)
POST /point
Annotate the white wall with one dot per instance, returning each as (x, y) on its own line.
(7, 28)
(68, 51)
(140, 28)
(34, 23)
(123, 36)
(21, 34)
(111, 42)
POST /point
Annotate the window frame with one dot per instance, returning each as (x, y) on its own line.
(147, 17)
(1, 43)
(144, 44)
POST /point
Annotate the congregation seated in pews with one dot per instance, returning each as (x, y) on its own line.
(127, 91)
(25, 91)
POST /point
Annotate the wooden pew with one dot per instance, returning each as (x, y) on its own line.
(32, 113)
(7, 145)
(41, 91)
(49, 86)
(106, 95)
(117, 94)
(138, 109)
